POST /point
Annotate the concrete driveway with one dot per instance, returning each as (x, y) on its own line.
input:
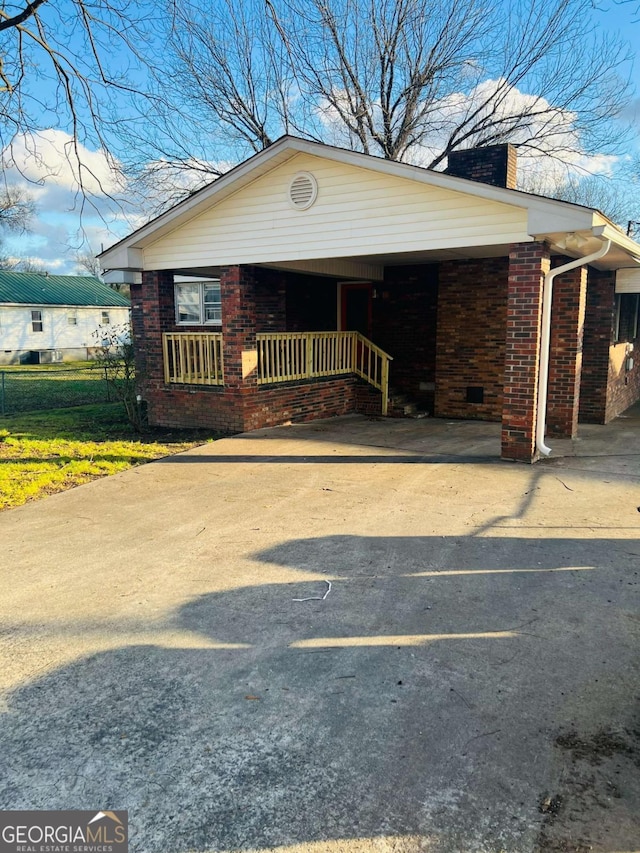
(469, 683)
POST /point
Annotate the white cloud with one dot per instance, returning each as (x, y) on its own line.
(48, 167)
(52, 158)
(548, 137)
(66, 219)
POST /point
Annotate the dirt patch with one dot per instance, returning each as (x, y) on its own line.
(601, 745)
(596, 806)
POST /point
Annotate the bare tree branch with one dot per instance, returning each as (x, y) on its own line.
(407, 80)
(54, 73)
(21, 17)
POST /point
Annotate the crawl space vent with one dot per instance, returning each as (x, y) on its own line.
(303, 190)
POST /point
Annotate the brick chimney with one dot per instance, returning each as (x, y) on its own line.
(494, 164)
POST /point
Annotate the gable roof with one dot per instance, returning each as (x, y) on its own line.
(27, 288)
(544, 218)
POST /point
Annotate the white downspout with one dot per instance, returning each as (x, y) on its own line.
(545, 339)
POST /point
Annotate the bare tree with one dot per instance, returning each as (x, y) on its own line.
(16, 210)
(87, 262)
(617, 199)
(407, 80)
(57, 70)
(30, 265)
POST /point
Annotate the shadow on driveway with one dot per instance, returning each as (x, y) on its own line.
(421, 700)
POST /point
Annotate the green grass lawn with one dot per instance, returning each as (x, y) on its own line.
(52, 386)
(46, 452)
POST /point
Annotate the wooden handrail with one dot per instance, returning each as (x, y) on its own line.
(193, 358)
(289, 356)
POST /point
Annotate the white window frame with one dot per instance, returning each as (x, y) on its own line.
(103, 315)
(72, 316)
(35, 311)
(201, 321)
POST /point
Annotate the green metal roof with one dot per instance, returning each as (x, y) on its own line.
(28, 288)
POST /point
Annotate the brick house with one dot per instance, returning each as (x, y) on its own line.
(309, 279)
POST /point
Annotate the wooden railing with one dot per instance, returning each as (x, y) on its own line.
(193, 358)
(287, 356)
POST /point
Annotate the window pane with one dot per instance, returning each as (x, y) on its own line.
(72, 318)
(36, 321)
(212, 303)
(105, 318)
(627, 316)
(188, 303)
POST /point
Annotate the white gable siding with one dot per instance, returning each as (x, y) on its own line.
(16, 331)
(357, 212)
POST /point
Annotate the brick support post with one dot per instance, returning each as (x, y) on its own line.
(238, 293)
(597, 344)
(528, 263)
(565, 364)
(155, 316)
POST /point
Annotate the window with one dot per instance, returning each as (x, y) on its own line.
(627, 306)
(36, 321)
(72, 317)
(198, 303)
(105, 319)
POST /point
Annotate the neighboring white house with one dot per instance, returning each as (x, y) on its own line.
(45, 318)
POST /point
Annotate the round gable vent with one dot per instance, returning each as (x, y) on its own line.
(303, 190)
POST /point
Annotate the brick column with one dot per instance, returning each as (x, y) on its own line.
(153, 313)
(528, 263)
(565, 364)
(238, 293)
(597, 344)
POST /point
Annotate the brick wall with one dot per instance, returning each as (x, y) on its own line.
(493, 164)
(368, 401)
(270, 297)
(470, 347)
(565, 363)
(623, 387)
(300, 401)
(231, 411)
(608, 388)
(528, 263)
(404, 325)
(189, 406)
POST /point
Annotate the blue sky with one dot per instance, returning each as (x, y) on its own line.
(58, 230)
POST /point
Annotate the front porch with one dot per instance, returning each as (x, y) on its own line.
(460, 337)
(197, 359)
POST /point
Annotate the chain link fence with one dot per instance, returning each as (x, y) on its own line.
(28, 389)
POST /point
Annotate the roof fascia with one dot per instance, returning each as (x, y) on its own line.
(610, 232)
